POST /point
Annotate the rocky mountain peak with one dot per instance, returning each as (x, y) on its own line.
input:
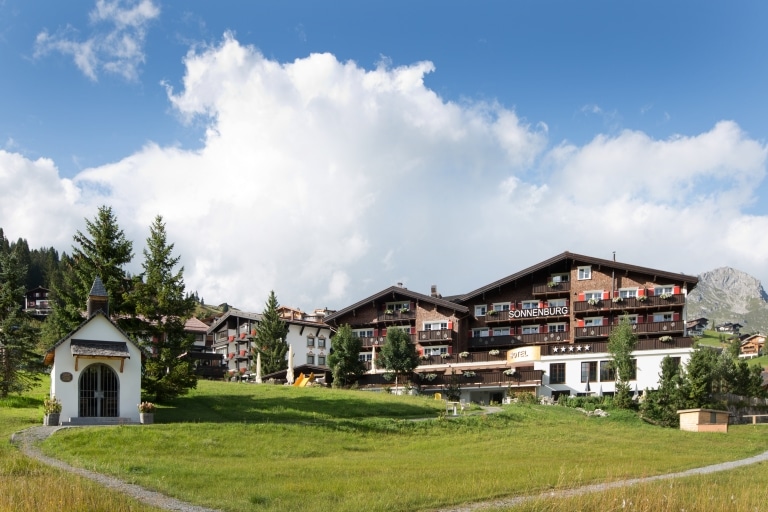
(729, 295)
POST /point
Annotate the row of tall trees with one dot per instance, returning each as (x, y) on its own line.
(151, 307)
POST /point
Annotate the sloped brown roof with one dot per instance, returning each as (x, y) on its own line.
(195, 325)
(580, 258)
(398, 290)
(91, 348)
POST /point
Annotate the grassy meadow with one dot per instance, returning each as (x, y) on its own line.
(246, 447)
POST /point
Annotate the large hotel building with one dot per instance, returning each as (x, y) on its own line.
(544, 329)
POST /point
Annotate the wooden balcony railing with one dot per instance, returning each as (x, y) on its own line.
(602, 346)
(641, 328)
(439, 335)
(551, 288)
(472, 357)
(396, 316)
(510, 341)
(580, 306)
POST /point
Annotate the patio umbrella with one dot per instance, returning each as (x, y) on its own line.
(600, 390)
(635, 396)
(258, 368)
(373, 359)
(586, 388)
(289, 373)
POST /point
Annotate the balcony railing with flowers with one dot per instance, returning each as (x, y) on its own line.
(580, 306)
(395, 315)
(590, 331)
(551, 288)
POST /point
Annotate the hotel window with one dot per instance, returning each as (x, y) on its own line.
(398, 306)
(560, 278)
(663, 317)
(607, 372)
(658, 290)
(593, 295)
(584, 273)
(628, 293)
(435, 351)
(435, 326)
(321, 342)
(530, 329)
(631, 318)
(362, 333)
(558, 327)
(365, 356)
(310, 359)
(480, 310)
(594, 321)
(589, 371)
(501, 306)
(321, 360)
(557, 373)
(480, 333)
(310, 341)
(501, 331)
(558, 303)
(530, 304)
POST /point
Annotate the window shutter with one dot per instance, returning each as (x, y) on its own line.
(640, 292)
(606, 295)
(615, 293)
(640, 319)
(450, 326)
(605, 321)
(650, 292)
(470, 334)
(421, 351)
(375, 332)
(676, 316)
(541, 304)
(413, 306)
(581, 296)
(580, 322)
(676, 290)
(383, 332)
(450, 350)
(413, 330)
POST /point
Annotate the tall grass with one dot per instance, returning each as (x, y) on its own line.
(244, 447)
(28, 486)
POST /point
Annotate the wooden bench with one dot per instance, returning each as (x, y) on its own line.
(755, 416)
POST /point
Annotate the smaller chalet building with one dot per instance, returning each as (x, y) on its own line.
(234, 339)
(752, 346)
(543, 329)
(96, 369)
(36, 302)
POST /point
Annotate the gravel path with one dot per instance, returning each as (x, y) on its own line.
(27, 439)
(567, 493)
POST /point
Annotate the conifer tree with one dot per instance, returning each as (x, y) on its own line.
(160, 301)
(271, 338)
(102, 251)
(344, 358)
(20, 365)
(621, 343)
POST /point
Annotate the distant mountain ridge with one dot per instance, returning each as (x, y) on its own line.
(729, 295)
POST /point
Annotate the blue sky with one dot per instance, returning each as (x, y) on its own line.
(508, 132)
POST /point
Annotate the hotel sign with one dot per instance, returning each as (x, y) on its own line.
(537, 312)
(523, 354)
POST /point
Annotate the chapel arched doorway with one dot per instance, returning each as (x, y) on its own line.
(99, 392)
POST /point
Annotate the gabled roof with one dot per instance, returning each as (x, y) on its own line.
(580, 258)
(193, 324)
(49, 355)
(239, 314)
(403, 292)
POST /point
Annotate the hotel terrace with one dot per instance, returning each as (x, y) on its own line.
(543, 329)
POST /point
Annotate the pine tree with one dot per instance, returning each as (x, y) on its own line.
(344, 358)
(20, 365)
(271, 338)
(661, 406)
(398, 355)
(102, 252)
(621, 343)
(159, 299)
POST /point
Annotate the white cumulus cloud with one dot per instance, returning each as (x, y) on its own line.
(326, 182)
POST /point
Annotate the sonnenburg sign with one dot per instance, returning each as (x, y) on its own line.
(535, 312)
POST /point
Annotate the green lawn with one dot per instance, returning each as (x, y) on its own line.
(248, 447)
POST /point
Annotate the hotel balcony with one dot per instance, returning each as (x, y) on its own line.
(436, 337)
(551, 288)
(602, 346)
(662, 328)
(513, 340)
(583, 306)
(396, 316)
(480, 378)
